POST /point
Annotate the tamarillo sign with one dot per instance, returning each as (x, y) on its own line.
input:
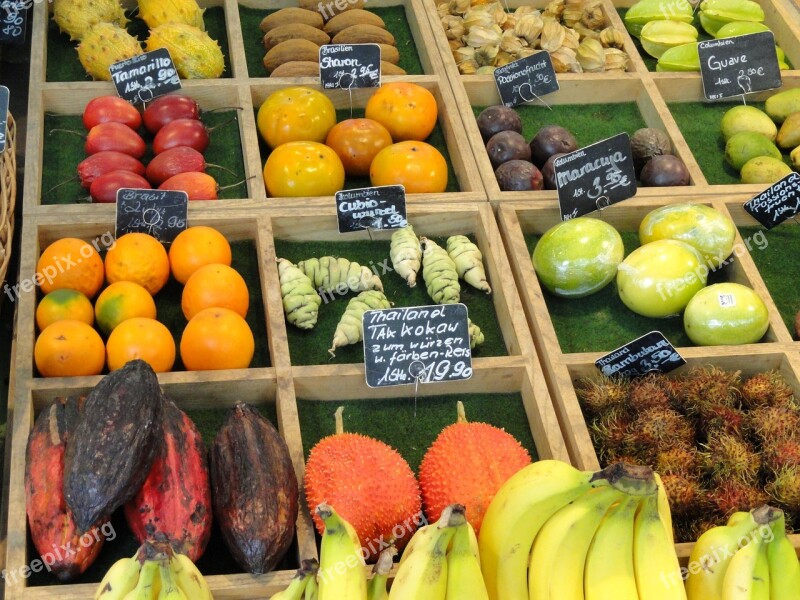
(145, 77)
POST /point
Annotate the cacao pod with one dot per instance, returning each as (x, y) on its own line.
(255, 489)
(175, 499)
(53, 529)
(115, 441)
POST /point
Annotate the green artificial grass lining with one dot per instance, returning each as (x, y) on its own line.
(62, 57)
(393, 16)
(62, 152)
(311, 347)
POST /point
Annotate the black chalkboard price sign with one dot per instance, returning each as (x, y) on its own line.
(739, 65)
(526, 79)
(13, 20)
(777, 203)
(349, 66)
(4, 96)
(595, 176)
(651, 352)
(382, 207)
(144, 77)
(421, 343)
(160, 213)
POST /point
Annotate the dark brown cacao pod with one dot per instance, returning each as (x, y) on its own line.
(254, 490)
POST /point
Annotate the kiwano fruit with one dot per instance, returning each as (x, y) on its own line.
(175, 499)
(53, 530)
(255, 490)
(115, 442)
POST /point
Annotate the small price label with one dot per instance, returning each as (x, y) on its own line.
(382, 207)
(160, 213)
(422, 343)
(526, 79)
(651, 352)
(4, 98)
(595, 176)
(145, 77)
(348, 66)
(739, 65)
(777, 203)
(13, 20)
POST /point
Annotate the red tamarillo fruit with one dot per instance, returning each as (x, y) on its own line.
(104, 188)
(167, 108)
(104, 162)
(111, 109)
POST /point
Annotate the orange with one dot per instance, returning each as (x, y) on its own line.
(69, 348)
(215, 286)
(217, 338)
(121, 301)
(70, 263)
(142, 338)
(407, 110)
(417, 166)
(64, 304)
(195, 247)
(139, 258)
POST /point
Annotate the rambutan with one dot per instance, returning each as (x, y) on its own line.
(658, 428)
(718, 419)
(707, 386)
(599, 394)
(649, 391)
(785, 489)
(690, 531)
(768, 423)
(685, 495)
(766, 389)
(733, 495)
(611, 458)
(781, 453)
(727, 456)
(678, 460)
(467, 464)
(608, 430)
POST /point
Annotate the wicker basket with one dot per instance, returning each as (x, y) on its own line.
(8, 195)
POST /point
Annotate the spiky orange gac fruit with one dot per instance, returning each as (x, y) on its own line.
(369, 484)
(467, 464)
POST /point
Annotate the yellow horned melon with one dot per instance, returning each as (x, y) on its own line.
(158, 12)
(103, 45)
(195, 54)
(76, 17)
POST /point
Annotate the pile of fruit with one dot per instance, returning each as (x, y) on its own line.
(667, 274)
(721, 444)
(310, 153)
(115, 148)
(754, 143)
(577, 33)
(177, 25)
(215, 300)
(293, 36)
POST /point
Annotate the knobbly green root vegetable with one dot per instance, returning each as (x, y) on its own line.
(340, 275)
(469, 262)
(300, 300)
(440, 274)
(406, 254)
(475, 335)
(349, 330)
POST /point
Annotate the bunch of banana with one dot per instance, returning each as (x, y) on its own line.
(303, 585)
(554, 532)
(155, 572)
(749, 558)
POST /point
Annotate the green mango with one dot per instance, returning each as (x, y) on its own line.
(747, 118)
(745, 145)
(659, 36)
(781, 105)
(715, 14)
(735, 28)
(789, 134)
(645, 11)
(764, 169)
(795, 156)
(680, 58)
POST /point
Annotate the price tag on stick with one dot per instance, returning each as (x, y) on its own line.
(739, 65)
(420, 344)
(349, 66)
(144, 77)
(526, 79)
(160, 213)
(382, 207)
(651, 352)
(595, 176)
(777, 203)
(4, 97)
(13, 21)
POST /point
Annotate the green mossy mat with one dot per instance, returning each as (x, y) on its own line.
(63, 152)
(62, 56)
(393, 16)
(777, 263)
(392, 420)
(601, 322)
(311, 347)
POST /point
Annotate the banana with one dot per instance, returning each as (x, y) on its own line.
(559, 551)
(740, 576)
(188, 578)
(658, 574)
(609, 569)
(663, 507)
(738, 517)
(376, 588)
(169, 588)
(423, 573)
(464, 577)
(147, 588)
(761, 575)
(784, 567)
(120, 579)
(312, 589)
(300, 583)
(341, 569)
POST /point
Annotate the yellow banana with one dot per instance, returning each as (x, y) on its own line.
(312, 589)
(189, 578)
(464, 577)
(120, 579)
(784, 567)
(658, 574)
(761, 576)
(298, 586)
(341, 569)
(423, 572)
(147, 588)
(169, 588)
(609, 569)
(738, 517)
(663, 507)
(740, 577)
(559, 551)
(376, 588)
